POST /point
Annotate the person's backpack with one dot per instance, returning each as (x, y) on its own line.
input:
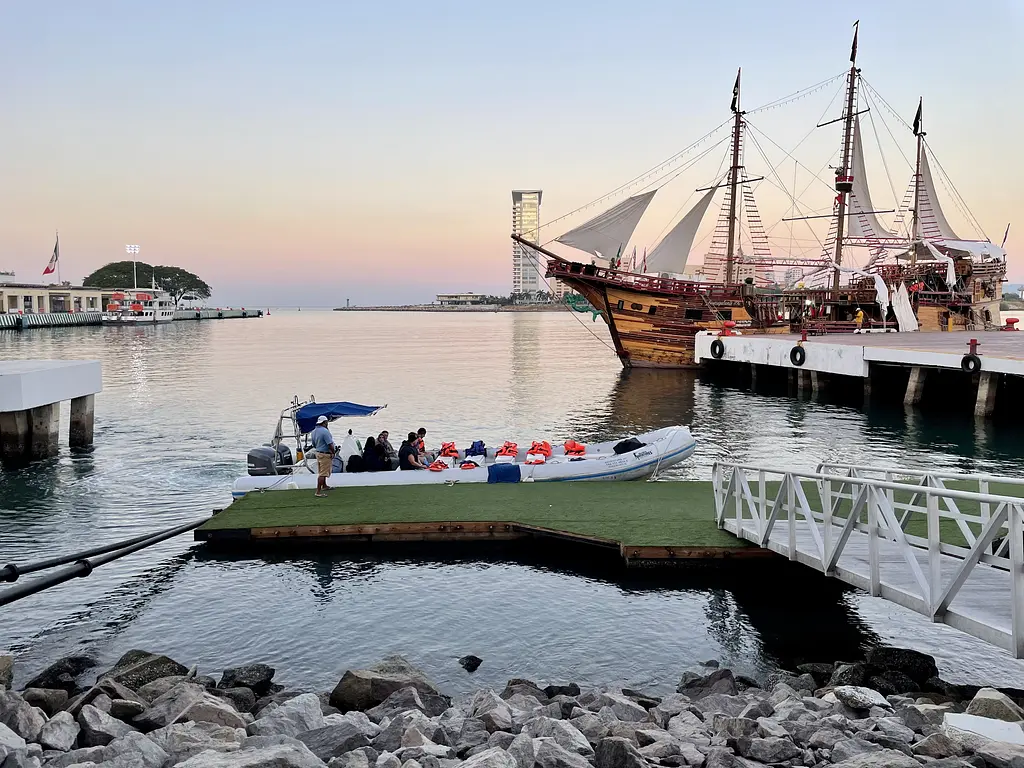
(627, 445)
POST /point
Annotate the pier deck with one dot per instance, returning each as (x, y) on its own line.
(642, 521)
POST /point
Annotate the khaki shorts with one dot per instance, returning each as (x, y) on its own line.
(323, 464)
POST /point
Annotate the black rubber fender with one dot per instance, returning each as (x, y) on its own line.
(971, 363)
(797, 356)
(717, 349)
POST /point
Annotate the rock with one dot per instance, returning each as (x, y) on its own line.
(501, 740)
(99, 728)
(1000, 755)
(242, 699)
(720, 702)
(971, 732)
(334, 740)
(358, 719)
(183, 740)
(256, 677)
(885, 758)
(102, 702)
(857, 697)
(134, 750)
(669, 707)
(769, 750)
(886, 742)
(719, 681)
(891, 682)
(565, 734)
(894, 729)
(59, 732)
(550, 754)
(989, 702)
(280, 697)
(848, 674)
(157, 688)
(352, 760)
(591, 726)
(916, 665)
(623, 707)
(283, 755)
(570, 689)
(125, 710)
(50, 700)
(936, 745)
(615, 752)
(473, 734)
(847, 748)
(387, 760)
(405, 699)
(185, 702)
(822, 672)
(493, 711)
(75, 756)
(825, 738)
(734, 727)
(768, 727)
(9, 741)
(63, 673)
(291, 718)
(521, 750)
(20, 716)
(134, 670)
(471, 663)
(362, 689)
(490, 758)
(6, 671)
(20, 759)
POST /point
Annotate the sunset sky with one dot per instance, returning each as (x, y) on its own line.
(305, 153)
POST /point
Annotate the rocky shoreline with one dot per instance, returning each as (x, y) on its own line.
(150, 711)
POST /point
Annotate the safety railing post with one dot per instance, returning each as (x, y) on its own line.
(934, 553)
(986, 508)
(1015, 530)
(791, 514)
(762, 502)
(874, 574)
(826, 511)
(716, 489)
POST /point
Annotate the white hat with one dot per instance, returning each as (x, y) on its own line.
(322, 420)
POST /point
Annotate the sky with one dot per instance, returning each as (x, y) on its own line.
(313, 152)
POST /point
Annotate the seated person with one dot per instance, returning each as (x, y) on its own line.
(408, 456)
(372, 456)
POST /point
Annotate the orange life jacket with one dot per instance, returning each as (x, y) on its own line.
(507, 449)
(438, 465)
(572, 448)
(449, 450)
(420, 447)
(468, 465)
(542, 448)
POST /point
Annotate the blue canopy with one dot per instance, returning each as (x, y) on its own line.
(307, 415)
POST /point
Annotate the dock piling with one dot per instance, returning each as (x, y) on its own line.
(985, 405)
(915, 386)
(44, 421)
(83, 410)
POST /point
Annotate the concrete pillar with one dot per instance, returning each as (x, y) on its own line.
(14, 434)
(985, 405)
(753, 376)
(43, 424)
(915, 386)
(867, 388)
(819, 382)
(82, 413)
(803, 382)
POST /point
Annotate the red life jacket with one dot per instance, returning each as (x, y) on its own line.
(507, 449)
(449, 450)
(543, 448)
(572, 448)
(438, 466)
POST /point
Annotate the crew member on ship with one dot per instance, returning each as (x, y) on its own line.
(859, 317)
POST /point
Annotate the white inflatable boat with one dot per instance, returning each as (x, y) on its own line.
(630, 458)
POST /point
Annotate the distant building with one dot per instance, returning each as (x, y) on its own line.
(526, 263)
(28, 298)
(460, 299)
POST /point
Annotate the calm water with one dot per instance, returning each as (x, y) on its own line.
(183, 403)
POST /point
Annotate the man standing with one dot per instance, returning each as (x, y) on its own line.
(323, 444)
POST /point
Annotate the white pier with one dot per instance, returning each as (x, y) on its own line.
(31, 392)
(948, 546)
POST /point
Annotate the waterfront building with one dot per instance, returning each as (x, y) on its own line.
(460, 299)
(526, 273)
(29, 298)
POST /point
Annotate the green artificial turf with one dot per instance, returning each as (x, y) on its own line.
(678, 514)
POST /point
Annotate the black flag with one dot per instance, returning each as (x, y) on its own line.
(917, 118)
(853, 51)
(736, 93)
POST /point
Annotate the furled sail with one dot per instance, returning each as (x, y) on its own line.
(671, 253)
(606, 235)
(863, 223)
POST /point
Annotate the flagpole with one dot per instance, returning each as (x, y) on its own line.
(58, 254)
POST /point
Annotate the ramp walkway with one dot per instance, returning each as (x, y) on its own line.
(948, 546)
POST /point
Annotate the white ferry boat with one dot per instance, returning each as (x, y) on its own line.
(139, 306)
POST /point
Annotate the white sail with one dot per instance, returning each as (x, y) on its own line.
(862, 223)
(606, 235)
(671, 253)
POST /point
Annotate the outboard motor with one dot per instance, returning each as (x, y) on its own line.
(284, 459)
(263, 461)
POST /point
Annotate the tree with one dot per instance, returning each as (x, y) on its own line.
(120, 275)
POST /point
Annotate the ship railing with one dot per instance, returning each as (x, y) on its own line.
(637, 281)
(910, 536)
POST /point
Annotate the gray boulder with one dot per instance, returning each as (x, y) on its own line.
(885, 758)
(291, 718)
(6, 671)
(334, 740)
(185, 702)
(405, 699)
(989, 702)
(59, 732)
(137, 668)
(565, 734)
(825, 738)
(184, 740)
(99, 728)
(9, 740)
(50, 700)
(894, 729)
(63, 673)
(365, 688)
(490, 758)
(892, 682)
(916, 665)
(359, 719)
(847, 748)
(242, 699)
(157, 688)
(623, 707)
(473, 734)
(528, 688)
(126, 710)
(256, 677)
(521, 750)
(20, 716)
(858, 697)
(768, 750)
(999, 754)
(292, 754)
(848, 674)
(390, 738)
(75, 756)
(615, 752)
(493, 711)
(721, 703)
(134, 750)
(501, 739)
(936, 745)
(550, 754)
(719, 681)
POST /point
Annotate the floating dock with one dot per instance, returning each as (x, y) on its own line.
(986, 362)
(640, 521)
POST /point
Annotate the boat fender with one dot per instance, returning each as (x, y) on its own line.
(971, 363)
(797, 355)
(717, 349)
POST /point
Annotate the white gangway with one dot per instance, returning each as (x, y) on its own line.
(863, 525)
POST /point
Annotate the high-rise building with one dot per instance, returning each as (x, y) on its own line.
(526, 273)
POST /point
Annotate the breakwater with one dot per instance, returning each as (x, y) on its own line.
(15, 322)
(890, 709)
(457, 308)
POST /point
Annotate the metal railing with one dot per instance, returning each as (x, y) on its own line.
(905, 536)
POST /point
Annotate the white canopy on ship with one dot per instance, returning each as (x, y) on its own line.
(607, 234)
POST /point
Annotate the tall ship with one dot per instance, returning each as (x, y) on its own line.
(916, 274)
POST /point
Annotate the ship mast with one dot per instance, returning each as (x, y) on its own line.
(730, 253)
(844, 178)
(915, 231)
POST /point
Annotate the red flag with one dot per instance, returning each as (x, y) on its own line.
(52, 266)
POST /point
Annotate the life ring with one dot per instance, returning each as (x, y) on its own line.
(717, 349)
(797, 356)
(971, 363)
